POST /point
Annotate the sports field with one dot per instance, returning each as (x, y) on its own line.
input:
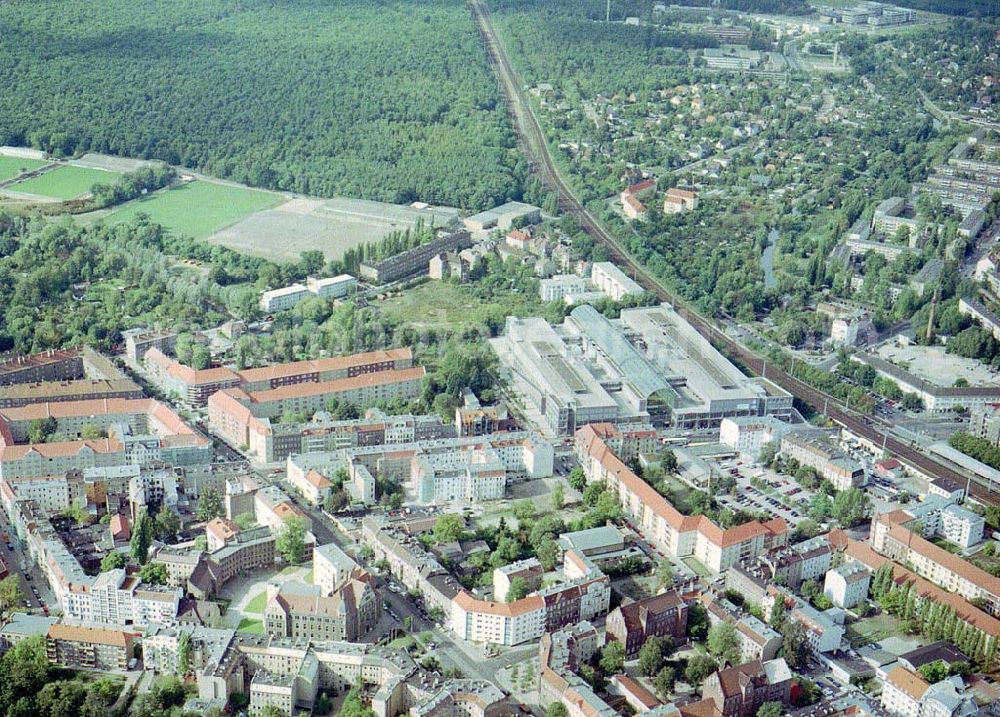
(64, 182)
(10, 167)
(198, 209)
(331, 226)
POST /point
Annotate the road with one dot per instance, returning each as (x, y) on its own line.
(532, 141)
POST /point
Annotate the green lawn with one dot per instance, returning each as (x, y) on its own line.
(697, 566)
(198, 209)
(10, 167)
(65, 182)
(873, 629)
(257, 603)
(252, 626)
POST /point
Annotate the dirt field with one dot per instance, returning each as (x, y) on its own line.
(331, 226)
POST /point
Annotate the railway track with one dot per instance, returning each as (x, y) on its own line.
(533, 143)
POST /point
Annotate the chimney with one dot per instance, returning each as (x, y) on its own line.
(930, 318)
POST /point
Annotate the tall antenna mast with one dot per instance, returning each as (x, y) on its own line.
(607, 13)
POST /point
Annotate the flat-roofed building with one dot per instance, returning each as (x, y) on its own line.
(52, 365)
(819, 450)
(413, 261)
(607, 277)
(706, 386)
(503, 217)
(847, 584)
(138, 342)
(85, 389)
(331, 567)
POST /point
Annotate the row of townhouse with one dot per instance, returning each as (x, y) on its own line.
(197, 385)
(663, 525)
(470, 468)
(893, 537)
(806, 560)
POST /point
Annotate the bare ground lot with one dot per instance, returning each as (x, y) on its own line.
(331, 226)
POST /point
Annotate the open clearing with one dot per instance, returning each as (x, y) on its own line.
(10, 167)
(198, 209)
(257, 603)
(64, 183)
(330, 226)
(255, 627)
(433, 304)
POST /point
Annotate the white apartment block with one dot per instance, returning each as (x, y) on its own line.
(824, 630)
(560, 286)
(747, 435)
(118, 599)
(961, 526)
(847, 585)
(331, 567)
(817, 556)
(607, 277)
(907, 694)
(288, 296)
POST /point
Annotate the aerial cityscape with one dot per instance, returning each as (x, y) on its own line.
(500, 358)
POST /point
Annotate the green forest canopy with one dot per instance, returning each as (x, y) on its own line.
(390, 101)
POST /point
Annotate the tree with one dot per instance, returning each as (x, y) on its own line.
(556, 709)
(558, 497)
(668, 459)
(245, 521)
(10, 592)
(184, 654)
(90, 432)
(794, 646)
(291, 541)
(933, 672)
(698, 668)
(40, 429)
(613, 658)
(62, 699)
(665, 573)
(664, 682)
(547, 553)
(324, 705)
(448, 528)
(166, 524)
(724, 643)
(851, 507)
(113, 561)
(697, 624)
(577, 479)
(142, 538)
(771, 709)
(200, 357)
(524, 510)
(210, 505)
(518, 589)
(154, 574)
(651, 656)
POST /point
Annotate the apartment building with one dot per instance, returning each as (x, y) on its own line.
(817, 557)
(288, 297)
(936, 399)
(663, 615)
(892, 538)
(984, 316)
(662, 524)
(331, 567)
(413, 261)
(85, 389)
(473, 468)
(88, 648)
(907, 694)
(139, 342)
(678, 201)
(757, 640)
(528, 570)
(847, 585)
(191, 385)
(824, 629)
(747, 435)
(612, 281)
(819, 450)
(558, 287)
(52, 365)
(273, 508)
(940, 516)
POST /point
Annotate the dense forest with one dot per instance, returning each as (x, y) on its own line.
(383, 100)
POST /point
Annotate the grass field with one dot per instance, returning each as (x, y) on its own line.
(439, 304)
(873, 629)
(257, 603)
(255, 627)
(697, 566)
(65, 182)
(10, 167)
(198, 209)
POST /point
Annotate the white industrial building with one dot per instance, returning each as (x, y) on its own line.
(747, 435)
(606, 277)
